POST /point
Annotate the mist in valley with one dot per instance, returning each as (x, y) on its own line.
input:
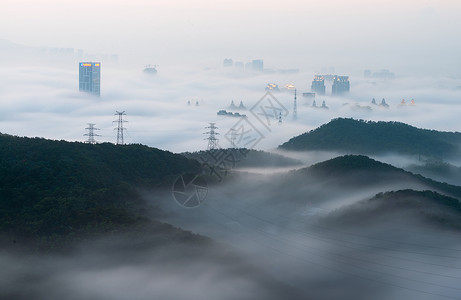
(332, 239)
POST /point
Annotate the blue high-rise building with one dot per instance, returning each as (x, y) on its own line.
(318, 85)
(257, 65)
(340, 85)
(90, 77)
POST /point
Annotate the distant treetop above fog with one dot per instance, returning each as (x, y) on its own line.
(369, 137)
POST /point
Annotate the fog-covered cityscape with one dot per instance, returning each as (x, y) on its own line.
(230, 150)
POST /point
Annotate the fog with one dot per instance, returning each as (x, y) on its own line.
(409, 36)
(135, 268)
(311, 233)
(44, 101)
(293, 235)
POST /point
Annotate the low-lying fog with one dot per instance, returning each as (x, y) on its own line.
(290, 230)
(284, 235)
(280, 235)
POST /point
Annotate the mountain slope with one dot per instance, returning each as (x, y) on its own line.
(367, 137)
(336, 182)
(437, 170)
(57, 188)
(405, 206)
(362, 171)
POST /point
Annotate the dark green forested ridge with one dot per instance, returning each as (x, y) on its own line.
(50, 188)
(367, 137)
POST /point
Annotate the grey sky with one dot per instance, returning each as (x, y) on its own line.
(410, 36)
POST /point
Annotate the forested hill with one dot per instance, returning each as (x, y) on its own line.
(361, 171)
(50, 188)
(430, 207)
(368, 137)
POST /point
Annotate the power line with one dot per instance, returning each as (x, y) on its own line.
(336, 269)
(245, 211)
(325, 237)
(361, 245)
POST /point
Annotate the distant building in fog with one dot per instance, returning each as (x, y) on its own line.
(89, 77)
(239, 66)
(381, 74)
(340, 85)
(384, 74)
(272, 87)
(309, 95)
(257, 65)
(248, 67)
(318, 85)
(228, 62)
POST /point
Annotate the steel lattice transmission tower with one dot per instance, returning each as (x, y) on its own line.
(295, 108)
(91, 133)
(120, 129)
(212, 139)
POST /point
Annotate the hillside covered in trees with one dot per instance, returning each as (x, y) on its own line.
(429, 207)
(368, 137)
(361, 172)
(50, 190)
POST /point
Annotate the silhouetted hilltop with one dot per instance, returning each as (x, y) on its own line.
(58, 188)
(368, 137)
(358, 169)
(351, 163)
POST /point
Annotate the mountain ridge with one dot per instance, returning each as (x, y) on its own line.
(53, 190)
(427, 206)
(369, 137)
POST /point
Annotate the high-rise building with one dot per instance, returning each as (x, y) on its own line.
(340, 85)
(257, 65)
(318, 85)
(228, 62)
(90, 77)
(239, 66)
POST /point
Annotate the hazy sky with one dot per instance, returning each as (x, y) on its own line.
(409, 36)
